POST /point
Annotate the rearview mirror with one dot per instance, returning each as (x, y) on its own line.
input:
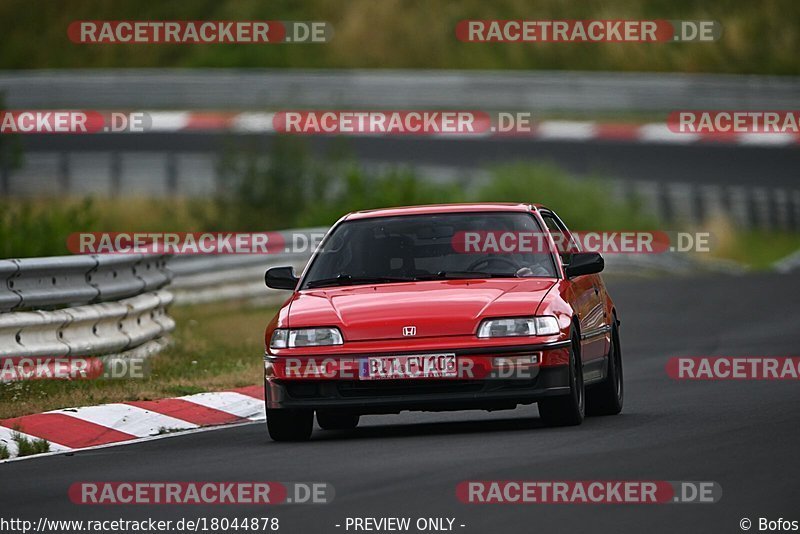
(281, 278)
(585, 263)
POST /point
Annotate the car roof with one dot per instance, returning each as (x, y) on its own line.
(443, 208)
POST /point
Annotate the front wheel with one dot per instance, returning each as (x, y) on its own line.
(290, 425)
(606, 397)
(567, 410)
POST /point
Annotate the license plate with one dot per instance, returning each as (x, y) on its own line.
(409, 367)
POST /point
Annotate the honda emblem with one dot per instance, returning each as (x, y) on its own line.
(409, 330)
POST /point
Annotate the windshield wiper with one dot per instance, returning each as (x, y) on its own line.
(463, 275)
(347, 280)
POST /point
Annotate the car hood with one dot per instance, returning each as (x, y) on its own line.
(435, 308)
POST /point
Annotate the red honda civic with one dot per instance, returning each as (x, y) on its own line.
(446, 307)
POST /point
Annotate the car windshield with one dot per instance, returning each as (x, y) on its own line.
(430, 247)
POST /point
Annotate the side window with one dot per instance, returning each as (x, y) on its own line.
(565, 243)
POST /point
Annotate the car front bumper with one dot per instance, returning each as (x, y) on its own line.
(488, 392)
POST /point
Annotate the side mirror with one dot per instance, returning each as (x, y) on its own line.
(585, 263)
(281, 278)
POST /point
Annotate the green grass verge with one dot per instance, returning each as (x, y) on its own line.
(758, 250)
(217, 347)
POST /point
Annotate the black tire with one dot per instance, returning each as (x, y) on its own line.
(567, 410)
(606, 397)
(290, 425)
(337, 420)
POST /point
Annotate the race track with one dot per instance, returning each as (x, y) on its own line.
(743, 435)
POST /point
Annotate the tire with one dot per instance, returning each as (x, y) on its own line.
(290, 425)
(567, 410)
(336, 420)
(606, 397)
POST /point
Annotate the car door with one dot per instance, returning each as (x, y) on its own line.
(588, 294)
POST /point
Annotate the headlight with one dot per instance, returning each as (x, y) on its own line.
(519, 326)
(304, 337)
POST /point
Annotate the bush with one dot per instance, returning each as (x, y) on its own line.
(262, 193)
(291, 189)
(41, 228)
(584, 204)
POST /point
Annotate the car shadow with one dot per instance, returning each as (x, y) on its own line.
(433, 428)
(622, 422)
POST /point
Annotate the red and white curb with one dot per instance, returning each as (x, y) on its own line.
(657, 133)
(92, 426)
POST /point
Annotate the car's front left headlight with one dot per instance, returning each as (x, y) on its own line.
(519, 326)
(283, 338)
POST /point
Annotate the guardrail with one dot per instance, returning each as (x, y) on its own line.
(73, 306)
(63, 281)
(116, 305)
(198, 279)
(92, 330)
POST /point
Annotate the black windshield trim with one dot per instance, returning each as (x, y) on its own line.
(303, 282)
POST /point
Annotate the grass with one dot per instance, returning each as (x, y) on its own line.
(164, 430)
(757, 250)
(218, 347)
(758, 37)
(27, 447)
(4, 453)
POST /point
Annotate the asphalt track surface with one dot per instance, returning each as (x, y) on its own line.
(702, 163)
(743, 435)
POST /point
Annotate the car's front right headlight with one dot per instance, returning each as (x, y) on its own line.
(519, 326)
(283, 338)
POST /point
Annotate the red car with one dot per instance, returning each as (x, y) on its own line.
(445, 307)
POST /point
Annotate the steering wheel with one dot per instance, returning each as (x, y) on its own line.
(485, 262)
